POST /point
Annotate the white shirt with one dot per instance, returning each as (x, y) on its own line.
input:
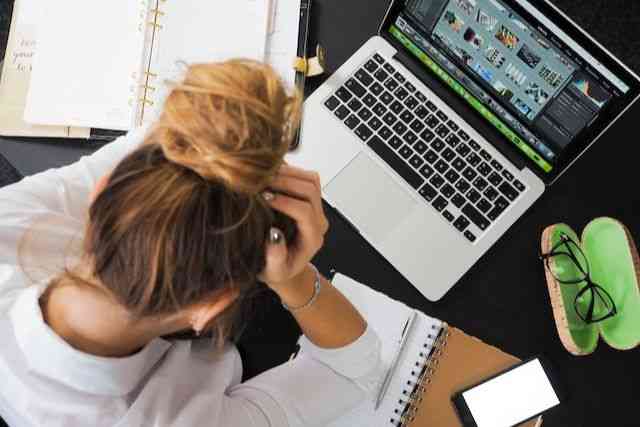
(45, 381)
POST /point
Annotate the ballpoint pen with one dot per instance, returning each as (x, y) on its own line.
(394, 363)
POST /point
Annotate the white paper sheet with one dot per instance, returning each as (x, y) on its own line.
(84, 67)
(282, 42)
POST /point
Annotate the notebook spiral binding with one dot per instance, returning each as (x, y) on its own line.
(423, 371)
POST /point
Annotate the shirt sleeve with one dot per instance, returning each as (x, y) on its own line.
(317, 387)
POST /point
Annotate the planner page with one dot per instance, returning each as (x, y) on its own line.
(200, 31)
(282, 40)
(87, 65)
(388, 317)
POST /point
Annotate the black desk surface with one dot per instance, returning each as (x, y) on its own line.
(503, 298)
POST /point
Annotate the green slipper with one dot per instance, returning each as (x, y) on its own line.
(613, 258)
(578, 337)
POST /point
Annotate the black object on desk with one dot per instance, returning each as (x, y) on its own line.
(8, 174)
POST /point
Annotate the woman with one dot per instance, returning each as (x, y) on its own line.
(175, 225)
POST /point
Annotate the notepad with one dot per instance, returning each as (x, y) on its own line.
(438, 361)
(104, 63)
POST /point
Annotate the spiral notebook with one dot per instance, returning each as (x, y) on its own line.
(103, 64)
(438, 361)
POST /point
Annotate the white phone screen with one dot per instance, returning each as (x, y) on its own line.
(512, 397)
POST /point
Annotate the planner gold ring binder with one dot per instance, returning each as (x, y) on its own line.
(155, 14)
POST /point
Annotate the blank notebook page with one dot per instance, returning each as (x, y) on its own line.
(197, 31)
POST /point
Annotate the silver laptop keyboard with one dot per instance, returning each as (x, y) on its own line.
(430, 151)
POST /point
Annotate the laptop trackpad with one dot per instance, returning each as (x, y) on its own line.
(370, 198)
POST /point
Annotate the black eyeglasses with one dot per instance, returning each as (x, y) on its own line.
(571, 267)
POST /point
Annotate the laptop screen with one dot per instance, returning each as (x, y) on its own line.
(536, 85)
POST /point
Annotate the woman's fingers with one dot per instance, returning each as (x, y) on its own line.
(310, 226)
(294, 172)
(298, 188)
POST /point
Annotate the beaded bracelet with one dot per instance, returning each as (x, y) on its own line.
(316, 292)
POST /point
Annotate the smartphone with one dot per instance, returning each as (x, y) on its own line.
(510, 397)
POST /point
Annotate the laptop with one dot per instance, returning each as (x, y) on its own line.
(443, 129)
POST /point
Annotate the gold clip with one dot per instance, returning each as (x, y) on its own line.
(155, 24)
(157, 12)
(311, 66)
(145, 101)
(150, 74)
(147, 87)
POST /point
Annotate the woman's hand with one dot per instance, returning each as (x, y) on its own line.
(297, 194)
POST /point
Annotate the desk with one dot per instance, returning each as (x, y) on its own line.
(503, 299)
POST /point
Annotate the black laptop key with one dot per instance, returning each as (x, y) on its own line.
(473, 196)
(510, 192)
(420, 147)
(410, 138)
(458, 200)
(490, 193)
(461, 223)
(463, 186)
(426, 171)
(395, 142)
(371, 66)
(389, 68)
(363, 132)
(501, 202)
(469, 173)
(519, 186)
(495, 178)
(496, 165)
(379, 109)
(375, 123)
(430, 156)
(475, 216)
(411, 103)
(428, 192)
(452, 176)
(401, 93)
(484, 206)
(417, 126)
(442, 130)
(376, 89)
(473, 159)
(436, 181)
(378, 58)
(411, 88)
(416, 161)
(406, 116)
(448, 215)
(399, 77)
(421, 112)
(448, 154)
(463, 149)
(453, 140)
(365, 114)
(507, 175)
(485, 155)
(390, 157)
(352, 121)
(440, 203)
(406, 151)
(381, 75)
(399, 128)
(344, 94)
(453, 126)
(355, 87)
(484, 169)
(427, 135)
(498, 207)
(369, 100)
(480, 183)
(441, 166)
(421, 96)
(470, 236)
(458, 164)
(341, 112)
(364, 77)
(432, 121)
(463, 135)
(396, 107)
(389, 119)
(442, 116)
(391, 84)
(386, 97)
(332, 103)
(354, 105)
(437, 144)
(431, 106)
(447, 191)
(385, 133)
(473, 144)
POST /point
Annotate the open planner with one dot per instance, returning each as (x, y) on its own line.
(75, 66)
(438, 361)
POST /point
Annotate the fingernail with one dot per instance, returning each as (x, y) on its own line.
(275, 236)
(268, 196)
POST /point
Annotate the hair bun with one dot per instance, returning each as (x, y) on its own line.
(231, 121)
